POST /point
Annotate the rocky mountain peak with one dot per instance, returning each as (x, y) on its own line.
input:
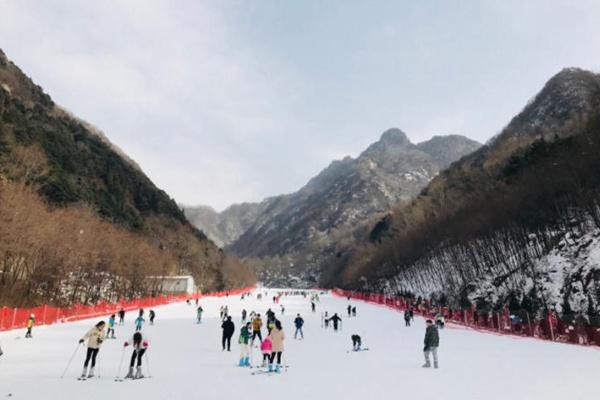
(394, 137)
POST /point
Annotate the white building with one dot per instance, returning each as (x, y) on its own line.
(176, 284)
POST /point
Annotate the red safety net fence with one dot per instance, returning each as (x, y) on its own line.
(568, 329)
(13, 318)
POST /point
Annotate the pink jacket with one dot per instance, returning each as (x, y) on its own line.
(266, 346)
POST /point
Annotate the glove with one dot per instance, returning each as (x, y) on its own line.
(125, 344)
(145, 344)
(81, 341)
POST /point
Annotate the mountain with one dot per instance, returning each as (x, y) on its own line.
(289, 238)
(69, 175)
(515, 223)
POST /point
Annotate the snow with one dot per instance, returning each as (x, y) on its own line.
(186, 360)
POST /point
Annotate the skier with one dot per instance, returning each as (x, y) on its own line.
(30, 323)
(277, 337)
(313, 306)
(432, 342)
(121, 316)
(199, 311)
(336, 319)
(356, 342)
(266, 347)
(354, 311)
(152, 315)
(140, 345)
(406, 318)
(139, 321)
(226, 311)
(244, 312)
(326, 320)
(349, 310)
(110, 332)
(270, 315)
(299, 322)
(244, 348)
(94, 337)
(221, 312)
(440, 321)
(282, 309)
(412, 314)
(228, 329)
(256, 325)
(197, 301)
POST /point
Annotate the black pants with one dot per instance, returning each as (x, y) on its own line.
(266, 357)
(407, 322)
(227, 341)
(255, 334)
(91, 355)
(137, 354)
(278, 353)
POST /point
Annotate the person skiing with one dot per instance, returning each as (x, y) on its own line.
(440, 321)
(412, 314)
(313, 306)
(228, 329)
(30, 323)
(282, 309)
(299, 322)
(356, 342)
(266, 347)
(349, 310)
(140, 345)
(336, 320)
(406, 318)
(277, 337)
(270, 315)
(326, 319)
(221, 311)
(244, 313)
(197, 301)
(432, 342)
(121, 316)
(199, 311)
(225, 311)
(110, 332)
(95, 338)
(139, 322)
(152, 315)
(354, 311)
(256, 326)
(244, 347)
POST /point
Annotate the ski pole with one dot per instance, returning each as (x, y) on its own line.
(120, 363)
(70, 361)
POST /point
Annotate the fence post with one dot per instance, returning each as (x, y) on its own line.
(550, 326)
(12, 325)
(529, 324)
(44, 314)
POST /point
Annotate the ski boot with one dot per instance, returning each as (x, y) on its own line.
(247, 361)
(435, 365)
(427, 365)
(91, 374)
(129, 373)
(278, 368)
(84, 373)
(242, 362)
(270, 367)
(138, 373)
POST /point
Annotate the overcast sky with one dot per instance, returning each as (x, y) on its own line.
(229, 101)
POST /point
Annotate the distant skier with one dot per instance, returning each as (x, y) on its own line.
(440, 321)
(256, 326)
(356, 342)
(313, 306)
(336, 321)
(244, 313)
(121, 316)
(226, 312)
(282, 309)
(199, 311)
(110, 332)
(30, 323)
(432, 342)
(221, 312)
(95, 338)
(298, 322)
(139, 322)
(354, 311)
(270, 315)
(197, 301)
(412, 314)
(140, 345)
(349, 310)
(326, 320)
(152, 315)
(244, 347)
(406, 318)
(266, 347)
(277, 337)
(228, 330)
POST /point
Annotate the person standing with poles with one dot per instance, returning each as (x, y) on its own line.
(140, 345)
(336, 320)
(432, 342)
(95, 337)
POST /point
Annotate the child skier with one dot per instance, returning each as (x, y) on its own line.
(266, 347)
(152, 315)
(199, 311)
(110, 332)
(139, 321)
(140, 345)
(30, 323)
(95, 338)
(244, 348)
(432, 342)
(356, 342)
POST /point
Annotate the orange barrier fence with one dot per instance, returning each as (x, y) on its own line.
(568, 329)
(13, 318)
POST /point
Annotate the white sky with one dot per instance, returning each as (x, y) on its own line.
(229, 101)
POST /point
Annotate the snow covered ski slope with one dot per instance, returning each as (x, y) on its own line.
(185, 360)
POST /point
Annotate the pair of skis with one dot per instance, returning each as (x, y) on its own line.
(356, 351)
(284, 368)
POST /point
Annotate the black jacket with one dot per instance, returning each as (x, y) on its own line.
(228, 328)
(432, 338)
